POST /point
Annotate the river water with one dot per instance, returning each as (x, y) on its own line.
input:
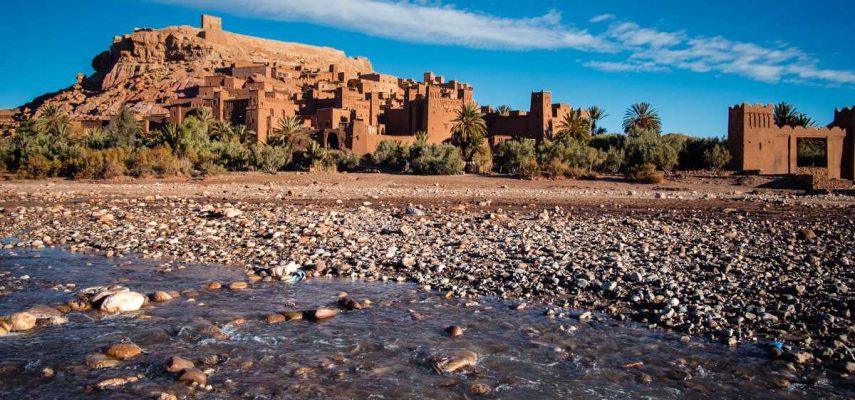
(383, 352)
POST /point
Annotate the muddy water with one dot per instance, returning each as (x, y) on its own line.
(383, 352)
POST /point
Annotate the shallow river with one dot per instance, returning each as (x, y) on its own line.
(383, 352)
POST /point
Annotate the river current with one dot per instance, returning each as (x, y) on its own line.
(385, 351)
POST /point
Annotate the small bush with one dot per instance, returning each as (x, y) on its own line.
(554, 168)
(38, 166)
(230, 155)
(613, 160)
(644, 173)
(717, 157)
(515, 157)
(115, 163)
(157, 161)
(86, 164)
(391, 154)
(483, 160)
(436, 159)
(344, 160)
(270, 159)
(647, 147)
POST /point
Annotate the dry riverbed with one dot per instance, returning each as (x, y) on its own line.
(711, 258)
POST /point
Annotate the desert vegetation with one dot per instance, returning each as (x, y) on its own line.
(51, 146)
(581, 149)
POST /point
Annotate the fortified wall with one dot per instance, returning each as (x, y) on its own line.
(758, 145)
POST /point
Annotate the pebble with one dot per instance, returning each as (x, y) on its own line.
(193, 375)
(321, 314)
(479, 389)
(123, 302)
(161, 297)
(123, 351)
(101, 361)
(454, 331)
(178, 364)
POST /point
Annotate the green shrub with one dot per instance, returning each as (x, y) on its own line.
(515, 157)
(391, 154)
(553, 168)
(692, 155)
(115, 162)
(270, 159)
(124, 130)
(613, 160)
(607, 141)
(158, 161)
(85, 164)
(647, 147)
(717, 157)
(442, 159)
(319, 159)
(344, 160)
(483, 160)
(644, 173)
(231, 155)
(572, 153)
(38, 166)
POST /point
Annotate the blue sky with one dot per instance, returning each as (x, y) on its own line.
(691, 60)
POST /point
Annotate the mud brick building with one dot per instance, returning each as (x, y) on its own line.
(759, 146)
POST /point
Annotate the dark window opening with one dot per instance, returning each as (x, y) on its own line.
(332, 142)
(812, 152)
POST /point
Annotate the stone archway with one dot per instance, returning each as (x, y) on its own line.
(332, 141)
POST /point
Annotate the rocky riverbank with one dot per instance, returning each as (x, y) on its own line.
(778, 274)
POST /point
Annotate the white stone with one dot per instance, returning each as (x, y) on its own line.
(123, 302)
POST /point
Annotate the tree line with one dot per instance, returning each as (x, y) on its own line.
(49, 146)
(579, 148)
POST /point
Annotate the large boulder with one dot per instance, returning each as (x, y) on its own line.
(123, 302)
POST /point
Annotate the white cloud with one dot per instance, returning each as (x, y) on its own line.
(601, 18)
(632, 35)
(631, 66)
(419, 22)
(766, 64)
(642, 49)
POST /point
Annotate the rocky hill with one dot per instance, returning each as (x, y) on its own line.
(151, 65)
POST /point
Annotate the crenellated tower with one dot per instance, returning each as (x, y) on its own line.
(540, 114)
(746, 127)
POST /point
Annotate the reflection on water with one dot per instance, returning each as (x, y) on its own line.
(383, 352)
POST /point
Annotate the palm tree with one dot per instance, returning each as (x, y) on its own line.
(53, 120)
(205, 116)
(245, 135)
(504, 109)
(222, 130)
(174, 136)
(468, 127)
(291, 132)
(787, 115)
(641, 116)
(574, 125)
(595, 114)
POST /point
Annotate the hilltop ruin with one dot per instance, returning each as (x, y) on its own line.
(165, 75)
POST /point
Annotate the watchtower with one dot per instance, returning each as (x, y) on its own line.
(211, 23)
(540, 113)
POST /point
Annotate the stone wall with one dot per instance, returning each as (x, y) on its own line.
(758, 145)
